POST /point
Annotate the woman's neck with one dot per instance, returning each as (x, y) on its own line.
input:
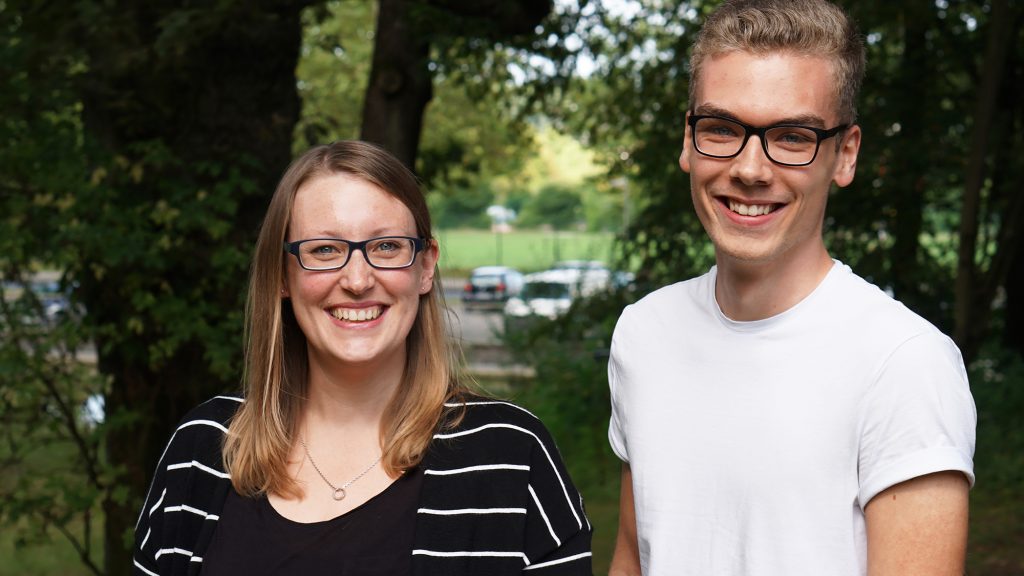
(343, 397)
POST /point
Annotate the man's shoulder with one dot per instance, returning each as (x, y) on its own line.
(694, 291)
(867, 304)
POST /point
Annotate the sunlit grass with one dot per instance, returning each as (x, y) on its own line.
(527, 250)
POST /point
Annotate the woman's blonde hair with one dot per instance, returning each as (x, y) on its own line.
(262, 433)
(804, 27)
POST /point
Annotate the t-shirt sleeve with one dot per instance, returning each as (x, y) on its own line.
(616, 425)
(918, 416)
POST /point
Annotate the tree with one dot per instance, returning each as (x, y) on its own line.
(400, 83)
(180, 122)
(898, 223)
(553, 206)
(151, 135)
(976, 283)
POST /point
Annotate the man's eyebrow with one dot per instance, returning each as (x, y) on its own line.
(712, 110)
(811, 120)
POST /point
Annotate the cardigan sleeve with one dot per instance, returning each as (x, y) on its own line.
(497, 500)
(557, 529)
(184, 500)
(148, 527)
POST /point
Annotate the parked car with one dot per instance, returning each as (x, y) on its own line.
(492, 285)
(579, 265)
(50, 302)
(550, 293)
(619, 278)
(54, 300)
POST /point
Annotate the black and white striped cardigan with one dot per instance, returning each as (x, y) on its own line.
(496, 498)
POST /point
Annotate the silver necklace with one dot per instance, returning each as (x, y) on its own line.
(339, 491)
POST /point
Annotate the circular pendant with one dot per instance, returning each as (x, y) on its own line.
(339, 494)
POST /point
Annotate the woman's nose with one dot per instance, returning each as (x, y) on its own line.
(357, 276)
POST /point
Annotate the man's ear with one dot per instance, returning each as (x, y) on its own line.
(684, 156)
(846, 163)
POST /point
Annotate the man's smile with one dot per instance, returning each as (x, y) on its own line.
(751, 209)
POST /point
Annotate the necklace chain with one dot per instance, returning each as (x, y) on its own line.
(339, 491)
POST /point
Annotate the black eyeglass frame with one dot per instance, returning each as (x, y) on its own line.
(293, 248)
(761, 132)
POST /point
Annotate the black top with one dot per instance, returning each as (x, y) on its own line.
(496, 499)
(372, 539)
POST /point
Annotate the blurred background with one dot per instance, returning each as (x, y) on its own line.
(140, 141)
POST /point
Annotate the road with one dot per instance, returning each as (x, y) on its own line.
(477, 330)
(476, 326)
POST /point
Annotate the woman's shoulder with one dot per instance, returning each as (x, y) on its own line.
(211, 418)
(218, 409)
(483, 412)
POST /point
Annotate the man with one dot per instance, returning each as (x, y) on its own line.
(779, 415)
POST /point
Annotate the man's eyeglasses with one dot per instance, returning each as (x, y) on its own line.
(385, 252)
(785, 144)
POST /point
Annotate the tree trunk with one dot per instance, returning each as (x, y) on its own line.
(970, 317)
(180, 105)
(910, 160)
(400, 83)
(1013, 327)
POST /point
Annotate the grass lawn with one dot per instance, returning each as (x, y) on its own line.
(526, 250)
(54, 557)
(604, 517)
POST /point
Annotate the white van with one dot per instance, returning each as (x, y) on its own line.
(551, 292)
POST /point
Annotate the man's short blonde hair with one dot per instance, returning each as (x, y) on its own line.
(804, 27)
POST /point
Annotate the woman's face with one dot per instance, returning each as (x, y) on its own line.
(358, 315)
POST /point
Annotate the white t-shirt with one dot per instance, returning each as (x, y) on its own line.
(755, 446)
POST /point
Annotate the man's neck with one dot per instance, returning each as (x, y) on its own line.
(748, 291)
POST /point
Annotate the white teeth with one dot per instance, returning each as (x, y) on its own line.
(360, 315)
(751, 209)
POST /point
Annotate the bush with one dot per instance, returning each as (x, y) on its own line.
(569, 391)
(997, 501)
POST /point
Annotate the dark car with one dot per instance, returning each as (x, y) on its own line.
(491, 285)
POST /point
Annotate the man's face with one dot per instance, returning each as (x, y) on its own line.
(754, 210)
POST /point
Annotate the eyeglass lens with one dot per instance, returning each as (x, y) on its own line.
(785, 144)
(380, 252)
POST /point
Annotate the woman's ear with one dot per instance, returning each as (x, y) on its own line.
(428, 259)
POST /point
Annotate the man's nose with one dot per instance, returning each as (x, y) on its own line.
(752, 166)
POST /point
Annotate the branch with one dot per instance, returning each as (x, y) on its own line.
(83, 552)
(19, 339)
(69, 420)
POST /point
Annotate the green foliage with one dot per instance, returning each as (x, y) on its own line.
(52, 473)
(897, 224)
(554, 206)
(333, 70)
(462, 208)
(51, 470)
(141, 167)
(631, 112)
(570, 390)
(135, 222)
(997, 502)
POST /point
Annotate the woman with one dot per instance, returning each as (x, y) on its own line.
(355, 449)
